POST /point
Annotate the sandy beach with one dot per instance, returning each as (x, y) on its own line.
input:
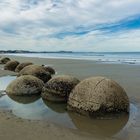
(13, 127)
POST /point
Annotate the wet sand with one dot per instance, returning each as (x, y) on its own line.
(126, 75)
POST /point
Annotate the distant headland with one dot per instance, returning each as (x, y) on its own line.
(25, 51)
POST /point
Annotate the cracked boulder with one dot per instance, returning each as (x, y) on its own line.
(22, 65)
(98, 96)
(11, 65)
(25, 85)
(37, 71)
(58, 88)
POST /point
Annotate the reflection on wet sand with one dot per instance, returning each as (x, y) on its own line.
(24, 99)
(34, 108)
(56, 107)
(99, 127)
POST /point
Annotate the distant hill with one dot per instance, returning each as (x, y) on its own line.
(24, 51)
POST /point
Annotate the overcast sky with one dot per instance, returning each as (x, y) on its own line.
(77, 25)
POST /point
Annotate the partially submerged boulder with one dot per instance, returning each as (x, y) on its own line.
(4, 60)
(25, 85)
(22, 65)
(97, 96)
(37, 71)
(11, 65)
(58, 88)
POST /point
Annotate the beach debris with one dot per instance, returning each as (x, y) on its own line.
(49, 69)
(98, 96)
(37, 71)
(4, 60)
(25, 85)
(11, 65)
(22, 65)
(58, 88)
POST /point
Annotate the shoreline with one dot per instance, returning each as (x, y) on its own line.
(125, 75)
(100, 58)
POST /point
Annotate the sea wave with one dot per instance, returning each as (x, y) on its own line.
(131, 58)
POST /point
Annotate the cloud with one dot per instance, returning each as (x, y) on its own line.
(69, 25)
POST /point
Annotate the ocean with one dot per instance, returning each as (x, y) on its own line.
(132, 58)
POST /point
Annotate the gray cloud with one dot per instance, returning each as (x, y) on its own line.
(60, 23)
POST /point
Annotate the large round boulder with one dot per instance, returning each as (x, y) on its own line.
(58, 88)
(11, 65)
(4, 60)
(98, 96)
(37, 71)
(25, 85)
(22, 65)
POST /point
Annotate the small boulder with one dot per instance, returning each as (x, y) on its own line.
(25, 85)
(98, 96)
(11, 65)
(22, 65)
(58, 88)
(4, 60)
(37, 71)
(49, 69)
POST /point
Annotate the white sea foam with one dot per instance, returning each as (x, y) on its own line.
(102, 57)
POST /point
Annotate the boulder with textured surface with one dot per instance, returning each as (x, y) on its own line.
(49, 69)
(22, 65)
(11, 65)
(37, 71)
(97, 96)
(25, 85)
(4, 60)
(58, 88)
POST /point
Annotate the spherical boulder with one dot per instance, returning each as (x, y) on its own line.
(5, 60)
(11, 65)
(37, 71)
(25, 85)
(22, 65)
(98, 96)
(49, 69)
(58, 88)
